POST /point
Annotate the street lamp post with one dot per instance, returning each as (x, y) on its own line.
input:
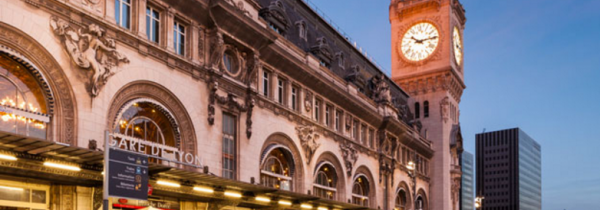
(412, 173)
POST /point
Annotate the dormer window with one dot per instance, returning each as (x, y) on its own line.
(324, 63)
(276, 17)
(340, 59)
(302, 32)
(322, 51)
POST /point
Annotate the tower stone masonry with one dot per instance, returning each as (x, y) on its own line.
(427, 62)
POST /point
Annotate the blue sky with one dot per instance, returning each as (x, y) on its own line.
(531, 64)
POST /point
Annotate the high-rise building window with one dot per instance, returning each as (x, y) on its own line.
(295, 98)
(152, 24)
(417, 110)
(265, 84)
(179, 38)
(281, 91)
(123, 13)
(426, 109)
(229, 146)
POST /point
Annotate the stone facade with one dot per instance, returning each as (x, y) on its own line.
(289, 81)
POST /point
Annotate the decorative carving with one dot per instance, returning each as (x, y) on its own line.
(309, 139)
(231, 102)
(97, 198)
(455, 192)
(90, 49)
(250, 103)
(356, 78)
(444, 110)
(93, 145)
(308, 99)
(254, 66)
(350, 156)
(380, 89)
(217, 49)
(348, 122)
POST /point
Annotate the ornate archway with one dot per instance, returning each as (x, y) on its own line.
(282, 144)
(150, 90)
(329, 162)
(364, 173)
(62, 103)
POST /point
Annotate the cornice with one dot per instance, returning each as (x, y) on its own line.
(432, 81)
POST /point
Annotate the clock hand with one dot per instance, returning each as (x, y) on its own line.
(435, 37)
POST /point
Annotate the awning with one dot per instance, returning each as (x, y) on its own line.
(31, 153)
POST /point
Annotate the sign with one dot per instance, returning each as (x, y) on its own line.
(155, 150)
(128, 175)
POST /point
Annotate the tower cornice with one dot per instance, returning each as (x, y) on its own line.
(432, 81)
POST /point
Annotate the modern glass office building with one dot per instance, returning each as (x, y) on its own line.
(466, 188)
(509, 170)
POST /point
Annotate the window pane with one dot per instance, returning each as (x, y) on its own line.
(118, 11)
(38, 196)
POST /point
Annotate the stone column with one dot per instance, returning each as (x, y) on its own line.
(110, 11)
(169, 27)
(141, 14)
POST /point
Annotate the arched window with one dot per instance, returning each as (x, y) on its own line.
(417, 110)
(277, 169)
(400, 203)
(426, 109)
(420, 203)
(148, 120)
(360, 191)
(325, 181)
(23, 107)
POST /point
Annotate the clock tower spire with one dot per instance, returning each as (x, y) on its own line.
(427, 62)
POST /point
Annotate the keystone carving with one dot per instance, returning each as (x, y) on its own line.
(90, 50)
(350, 156)
(309, 139)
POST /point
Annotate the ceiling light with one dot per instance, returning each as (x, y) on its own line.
(284, 202)
(204, 189)
(11, 188)
(233, 194)
(263, 199)
(170, 184)
(62, 166)
(322, 208)
(306, 206)
(7, 157)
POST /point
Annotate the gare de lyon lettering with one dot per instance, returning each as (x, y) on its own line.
(158, 151)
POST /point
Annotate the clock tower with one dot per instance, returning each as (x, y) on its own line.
(427, 62)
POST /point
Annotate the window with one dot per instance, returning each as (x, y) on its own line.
(302, 30)
(229, 146)
(275, 28)
(281, 91)
(328, 115)
(230, 62)
(360, 191)
(318, 110)
(324, 63)
(325, 182)
(338, 127)
(266, 84)
(355, 130)
(419, 203)
(152, 24)
(295, 98)
(149, 121)
(371, 138)
(275, 171)
(123, 13)
(23, 105)
(401, 200)
(363, 134)
(34, 197)
(426, 109)
(179, 38)
(417, 110)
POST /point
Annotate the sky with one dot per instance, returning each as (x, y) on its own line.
(531, 64)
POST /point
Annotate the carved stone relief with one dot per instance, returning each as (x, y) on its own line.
(308, 99)
(350, 156)
(444, 104)
(310, 140)
(91, 50)
(229, 101)
(380, 89)
(217, 48)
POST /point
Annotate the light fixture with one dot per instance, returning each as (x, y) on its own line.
(263, 199)
(284, 202)
(204, 189)
(233, 194)
(322, 208)
(166, 183)
(11, 188)
(62, 166)
(306, 206)
(411, 165)
(7, 157)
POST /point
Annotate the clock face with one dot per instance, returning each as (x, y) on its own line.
(420, 41)
(458, 49)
